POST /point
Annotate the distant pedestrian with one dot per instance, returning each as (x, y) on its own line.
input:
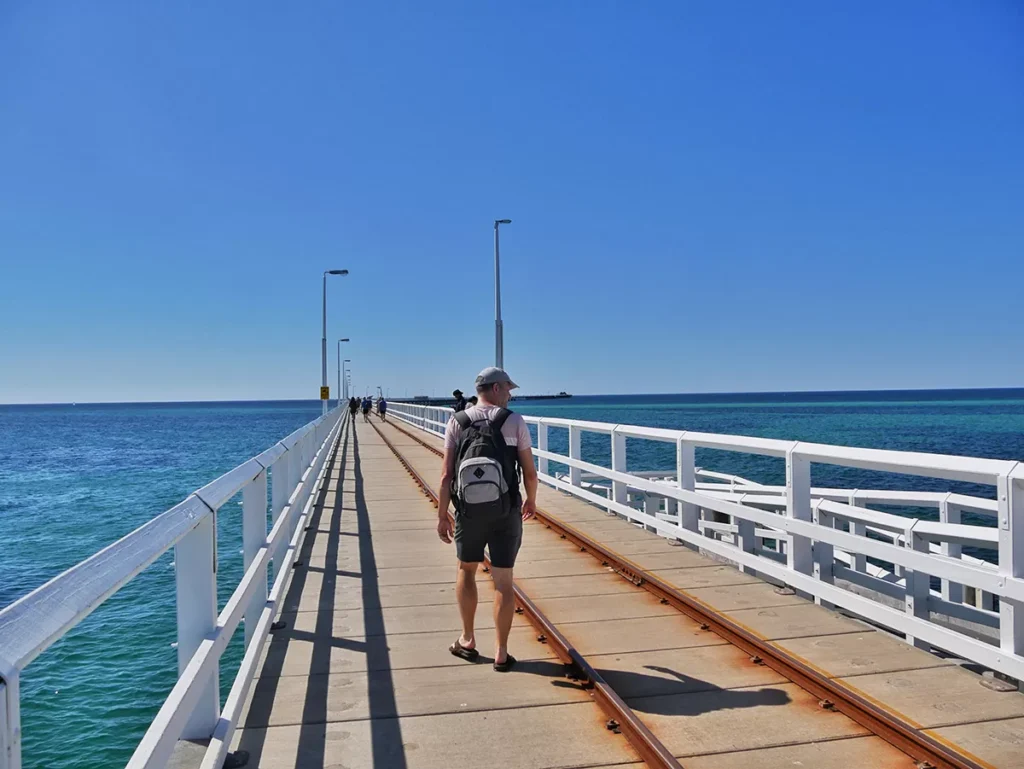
(367, 403)
(353, 406)
(382, 408)
(472, 400)
(460, 402)
(486, 448)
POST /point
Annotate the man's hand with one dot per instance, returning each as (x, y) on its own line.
(444, 529)
(529, 510)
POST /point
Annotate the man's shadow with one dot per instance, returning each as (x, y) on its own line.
(665, 694)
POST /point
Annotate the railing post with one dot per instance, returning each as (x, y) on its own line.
(280, 490)
(686, 478)
(799, 555)
(619, 488)
(858, 561)
(10, 721)
(1010, 497)
(574, 453)
(950, 513)
(746, 537)
(824, 553)
(542, 444)
(195, 571)
(918, 587)
(254, 535)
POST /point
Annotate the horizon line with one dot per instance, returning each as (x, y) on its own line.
(588, 395)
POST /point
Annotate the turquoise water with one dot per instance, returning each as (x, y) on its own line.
(74, 479)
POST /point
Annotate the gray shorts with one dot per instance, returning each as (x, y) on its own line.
(502, 535)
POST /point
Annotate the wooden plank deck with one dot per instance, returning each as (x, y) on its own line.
(361, 676)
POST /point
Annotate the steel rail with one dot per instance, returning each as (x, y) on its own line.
(622, 719)
(928, 752)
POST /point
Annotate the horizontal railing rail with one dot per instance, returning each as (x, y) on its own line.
(828, 543)
(295, 468)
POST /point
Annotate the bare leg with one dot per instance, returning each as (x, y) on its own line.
(466, 595)
(504, 611)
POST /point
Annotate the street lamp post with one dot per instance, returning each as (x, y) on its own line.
(499, 334)
(338, 396)
(343, 380)
(323, 338)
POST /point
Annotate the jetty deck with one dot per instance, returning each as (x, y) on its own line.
(360, 674)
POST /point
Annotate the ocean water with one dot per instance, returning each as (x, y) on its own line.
(74, 479)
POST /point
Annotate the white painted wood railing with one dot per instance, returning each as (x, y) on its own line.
(809, 537)
(296, 468)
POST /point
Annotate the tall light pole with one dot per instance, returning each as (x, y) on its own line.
(344, 379)
(338, 395)
(323, 338)
(499, 334)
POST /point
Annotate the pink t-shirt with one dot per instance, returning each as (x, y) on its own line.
(514, 430)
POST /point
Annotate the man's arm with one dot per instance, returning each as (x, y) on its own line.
(529, 481)
(444, 495)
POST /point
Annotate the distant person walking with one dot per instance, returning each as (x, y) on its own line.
(460, 402)
(486, 448)
(353, 406)
(367, 403)
(382, 408)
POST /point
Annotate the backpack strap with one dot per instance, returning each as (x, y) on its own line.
(463, 419)
(500, 418)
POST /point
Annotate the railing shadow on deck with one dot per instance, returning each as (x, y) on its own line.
(385, 729)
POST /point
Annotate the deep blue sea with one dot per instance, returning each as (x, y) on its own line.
(75, 478)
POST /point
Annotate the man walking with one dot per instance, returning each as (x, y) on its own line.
(382, 408)
(460, 402)
(486, 447)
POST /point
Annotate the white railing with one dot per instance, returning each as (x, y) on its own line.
(808, 537)
(296, 467)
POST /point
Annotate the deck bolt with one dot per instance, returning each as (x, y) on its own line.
(542, 638)
(664, 600)
(758, 661)
(705, 626)
(562, 537)
(604, 563)
(487, 569)
(611, 725)
(583, 549)
(827, 705)
(519, 610)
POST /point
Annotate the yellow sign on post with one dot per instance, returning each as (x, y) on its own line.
(325, 393)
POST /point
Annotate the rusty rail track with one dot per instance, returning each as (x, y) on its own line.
(926, 751)
(621, 719)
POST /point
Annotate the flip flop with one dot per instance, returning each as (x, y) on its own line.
(461, 651)
(504, 667)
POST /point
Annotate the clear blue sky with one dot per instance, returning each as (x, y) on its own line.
(707, 196)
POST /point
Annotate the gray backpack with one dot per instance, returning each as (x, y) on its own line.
(486, 481)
